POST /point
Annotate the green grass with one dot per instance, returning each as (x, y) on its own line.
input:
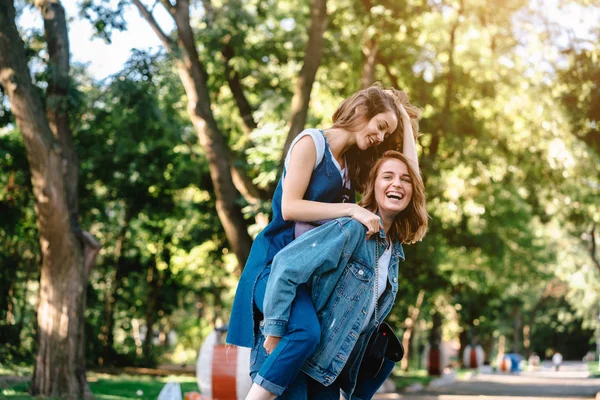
(16, 391)
(404, 379)
(112, 387)
(15, 370)
(594, 369)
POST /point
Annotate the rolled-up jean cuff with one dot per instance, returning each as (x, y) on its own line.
(270, 386)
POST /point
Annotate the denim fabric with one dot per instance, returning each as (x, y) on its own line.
(325, 186)
(304, 388)
(338, 265)
(366, 388)
(277, 371)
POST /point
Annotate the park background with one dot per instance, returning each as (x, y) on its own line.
(135, 174)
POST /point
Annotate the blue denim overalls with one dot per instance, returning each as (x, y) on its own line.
(325, 186)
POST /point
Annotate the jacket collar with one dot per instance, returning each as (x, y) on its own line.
(397, 246)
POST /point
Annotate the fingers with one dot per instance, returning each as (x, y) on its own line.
(267, 348)
(370, 220)
(270, 343)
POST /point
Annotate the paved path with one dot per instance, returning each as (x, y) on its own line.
(571, 382)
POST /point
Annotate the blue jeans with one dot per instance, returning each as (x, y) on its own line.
(278, 370)
(304, 387)
(367, 387)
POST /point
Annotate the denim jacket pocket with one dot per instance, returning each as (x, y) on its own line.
(354, 281)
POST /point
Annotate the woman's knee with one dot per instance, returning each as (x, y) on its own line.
(304, 324)
(307, 335)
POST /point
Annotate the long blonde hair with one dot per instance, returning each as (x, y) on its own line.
(411, 223)
(360, 108)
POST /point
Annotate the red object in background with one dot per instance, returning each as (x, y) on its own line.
(224, 368)
(473, 359)
(505, 364)
(435, 361)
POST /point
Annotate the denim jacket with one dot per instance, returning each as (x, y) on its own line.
(338, 264)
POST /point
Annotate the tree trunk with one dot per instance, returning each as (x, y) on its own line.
(59, 369)
(235, 84)
(436, 367)
(409, 324)
(463, 339)
(194, 78)
(233, 78)
(517, 326)
(57, 102)
(370, 63)
(306, 79)
(155, 282)
(393, 78)
(449, 96)
(593, 251)
(487, 344)
(242, 182)
(112, 296)
(57, 112)
(10, 303)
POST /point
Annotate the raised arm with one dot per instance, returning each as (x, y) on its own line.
(293, 205)
(409, 146)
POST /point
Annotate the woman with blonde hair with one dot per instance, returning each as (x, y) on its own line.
(322, 171)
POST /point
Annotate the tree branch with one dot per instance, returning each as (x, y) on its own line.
(394, 81)
(370, 62)
(369, 50)
(235, 84)
(209, 11)
(147, 15)
(409, 323)
(168, 5)
(593, 254)
(91, 248)
(306, 79)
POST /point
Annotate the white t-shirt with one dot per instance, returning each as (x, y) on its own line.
(319, 141)
(382, 277)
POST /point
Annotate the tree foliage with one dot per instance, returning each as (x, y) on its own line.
(509, 149)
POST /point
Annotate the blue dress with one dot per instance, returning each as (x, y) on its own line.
(325, 186)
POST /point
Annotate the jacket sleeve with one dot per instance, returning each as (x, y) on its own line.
(316, 251)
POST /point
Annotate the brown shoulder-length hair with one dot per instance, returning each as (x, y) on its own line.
(359, 109)
(410, 224)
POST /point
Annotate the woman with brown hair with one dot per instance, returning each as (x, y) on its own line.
(322, 171)
(352, 284)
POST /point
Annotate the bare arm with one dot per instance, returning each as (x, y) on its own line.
(293, 206)
(409, 146)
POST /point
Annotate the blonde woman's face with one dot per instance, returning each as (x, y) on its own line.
(376, 130)
(393, 187)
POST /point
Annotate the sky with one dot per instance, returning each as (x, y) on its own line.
(103, 59)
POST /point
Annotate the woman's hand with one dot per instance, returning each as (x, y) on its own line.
(371, 221)
(270, 343)
(403, 113)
